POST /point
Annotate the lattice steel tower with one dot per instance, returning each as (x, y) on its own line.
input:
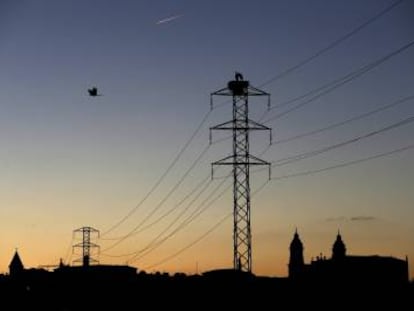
(241, 159)
(86, 245)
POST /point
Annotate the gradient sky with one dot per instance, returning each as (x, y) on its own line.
(68, 160)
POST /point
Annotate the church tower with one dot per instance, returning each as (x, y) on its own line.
(338, 248)
(16, 266)
(296, 262)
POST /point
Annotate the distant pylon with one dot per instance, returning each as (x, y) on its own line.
(241, 159)
(86, 245)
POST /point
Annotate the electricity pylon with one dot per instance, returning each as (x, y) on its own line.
(86, 245)
(241, 160)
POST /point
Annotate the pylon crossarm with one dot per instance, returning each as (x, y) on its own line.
(223, 126)
(222, 92)
(257, 161)
(257, 126)
(223, 161)
(253, 91)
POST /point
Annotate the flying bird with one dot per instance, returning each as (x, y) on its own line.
(93, 92)
(168, 19)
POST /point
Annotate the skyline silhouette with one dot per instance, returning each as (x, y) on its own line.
(135, 162)
(369, 281)
(398, 268)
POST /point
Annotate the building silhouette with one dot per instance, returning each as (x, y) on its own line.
(16, 267)
(365, 281)
(338, 248)
(296, 261)
(374, 271)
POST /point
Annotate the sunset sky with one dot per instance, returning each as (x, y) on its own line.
(134, 163)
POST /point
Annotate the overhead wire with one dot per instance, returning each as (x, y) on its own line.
(205, 180)
(326, 89)
(286, 72)
(193, 216)
(348, 78)
(333, 44)
(309, 154)
(342, 81)
(161, 178)
(344, 122)
(275, 78)
(204, 235)
(190, 203)
(311, 172)
(68, 252)
(160, 204)
(327, 48)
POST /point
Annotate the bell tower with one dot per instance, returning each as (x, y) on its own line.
(296, 262)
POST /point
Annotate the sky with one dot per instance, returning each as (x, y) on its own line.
(135, 163)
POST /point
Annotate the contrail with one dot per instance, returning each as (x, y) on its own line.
(168, 19)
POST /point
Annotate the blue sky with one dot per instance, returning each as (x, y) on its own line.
(69, 160)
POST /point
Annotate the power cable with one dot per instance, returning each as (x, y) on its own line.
(313, 153)
(179, 216)
(279, 178)
(344, 122)
(207, 180)
(192, 243)
(160, 204)
(333, 44)
(202, 236)
(159, 181)
(348, 78)
(311, 172)
(194, 215)
(277, 77)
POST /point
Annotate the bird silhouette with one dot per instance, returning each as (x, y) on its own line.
(238, 76)
(93, 92)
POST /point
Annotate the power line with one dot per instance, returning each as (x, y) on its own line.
(311, 172)
(312, 153)
(291, 69)
(199, 210)
(279, 178)
(348, 78)
(329, 47)
(203, 235)
(68, 252)
(150, 247)
(405, 121)
(277, 77)
(309, 154)
(192, 243)
(333, 44)
(328, 88)
(344, 122)
(340, 82)
(177, 205)
(322, 87)
(159, 205)
(177, 218)
(159, 181)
